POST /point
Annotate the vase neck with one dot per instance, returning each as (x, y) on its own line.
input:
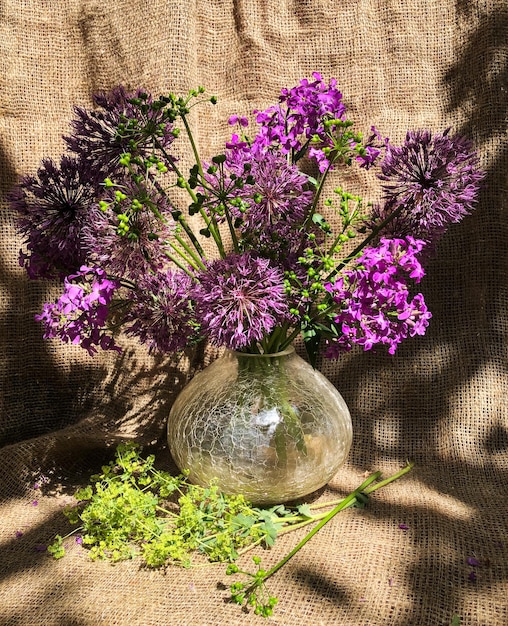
(253, 355)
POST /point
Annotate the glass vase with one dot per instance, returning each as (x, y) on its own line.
(270, 427)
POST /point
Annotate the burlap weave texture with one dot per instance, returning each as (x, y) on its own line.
(442, 400)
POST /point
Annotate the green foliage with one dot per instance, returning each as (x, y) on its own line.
(131, 509)
(56, 548)
(134, 510)
(252, 593)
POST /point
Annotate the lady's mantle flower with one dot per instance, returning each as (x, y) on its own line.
(54, 207)
(373, 299)
(80, 314)
(160, 314)
(432, 181)
(240, 300)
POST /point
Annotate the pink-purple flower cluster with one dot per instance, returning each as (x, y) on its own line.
(374, 305)
(106, 221)
(430, 182)
(160, 313)
(53, 208)
(272, 202)
(79, 315)
(307, 114)
(122, 123)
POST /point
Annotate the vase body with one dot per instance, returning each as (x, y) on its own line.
(270, 427)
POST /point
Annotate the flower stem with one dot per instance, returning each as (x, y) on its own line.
(197, 261)
(347, 502)
(364, 243)
(355, 497)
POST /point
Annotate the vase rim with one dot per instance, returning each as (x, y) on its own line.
(289, 350)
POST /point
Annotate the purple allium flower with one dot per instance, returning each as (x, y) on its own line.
(403, 527)
(268, 206)
(116, 127)
(79, 540)
(374, 301)
(80, 314)
(274, 198)
(160, 315)
(472, 576)
(140, 247)
(301, 117)
(19, 534)
(239, 300)
(472, 561)
(434, 179)
(40, 547)
(54, 208)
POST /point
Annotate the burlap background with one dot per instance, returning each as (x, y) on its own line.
(442, 400)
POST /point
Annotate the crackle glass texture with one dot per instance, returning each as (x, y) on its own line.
(267, 426)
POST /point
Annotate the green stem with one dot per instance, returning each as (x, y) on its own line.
(366, 241)
(76, 530)
(181, 220)
(356, 496)
(197, 260)
(347, 502)
(192, 143)
(168, 513)
(382, 483)
(234, 238)
(179, 263)
(319, 191)
(211, 224)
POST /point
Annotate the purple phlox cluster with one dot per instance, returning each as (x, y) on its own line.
(117, 126)
(141, 247)
(53, 208)
(80, 315)
(373, 299)
(432, 181)
(300, 119)
(241, 120)
(160, 313)
(240, 300)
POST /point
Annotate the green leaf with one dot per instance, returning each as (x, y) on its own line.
(243, 521)
(304, 510)
(312, 340)
(84, 494)
(56, 549)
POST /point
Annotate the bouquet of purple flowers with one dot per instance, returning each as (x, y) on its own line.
(285, 261)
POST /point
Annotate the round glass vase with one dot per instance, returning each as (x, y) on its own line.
(269, 426)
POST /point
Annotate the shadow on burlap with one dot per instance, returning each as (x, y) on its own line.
(442, 401)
